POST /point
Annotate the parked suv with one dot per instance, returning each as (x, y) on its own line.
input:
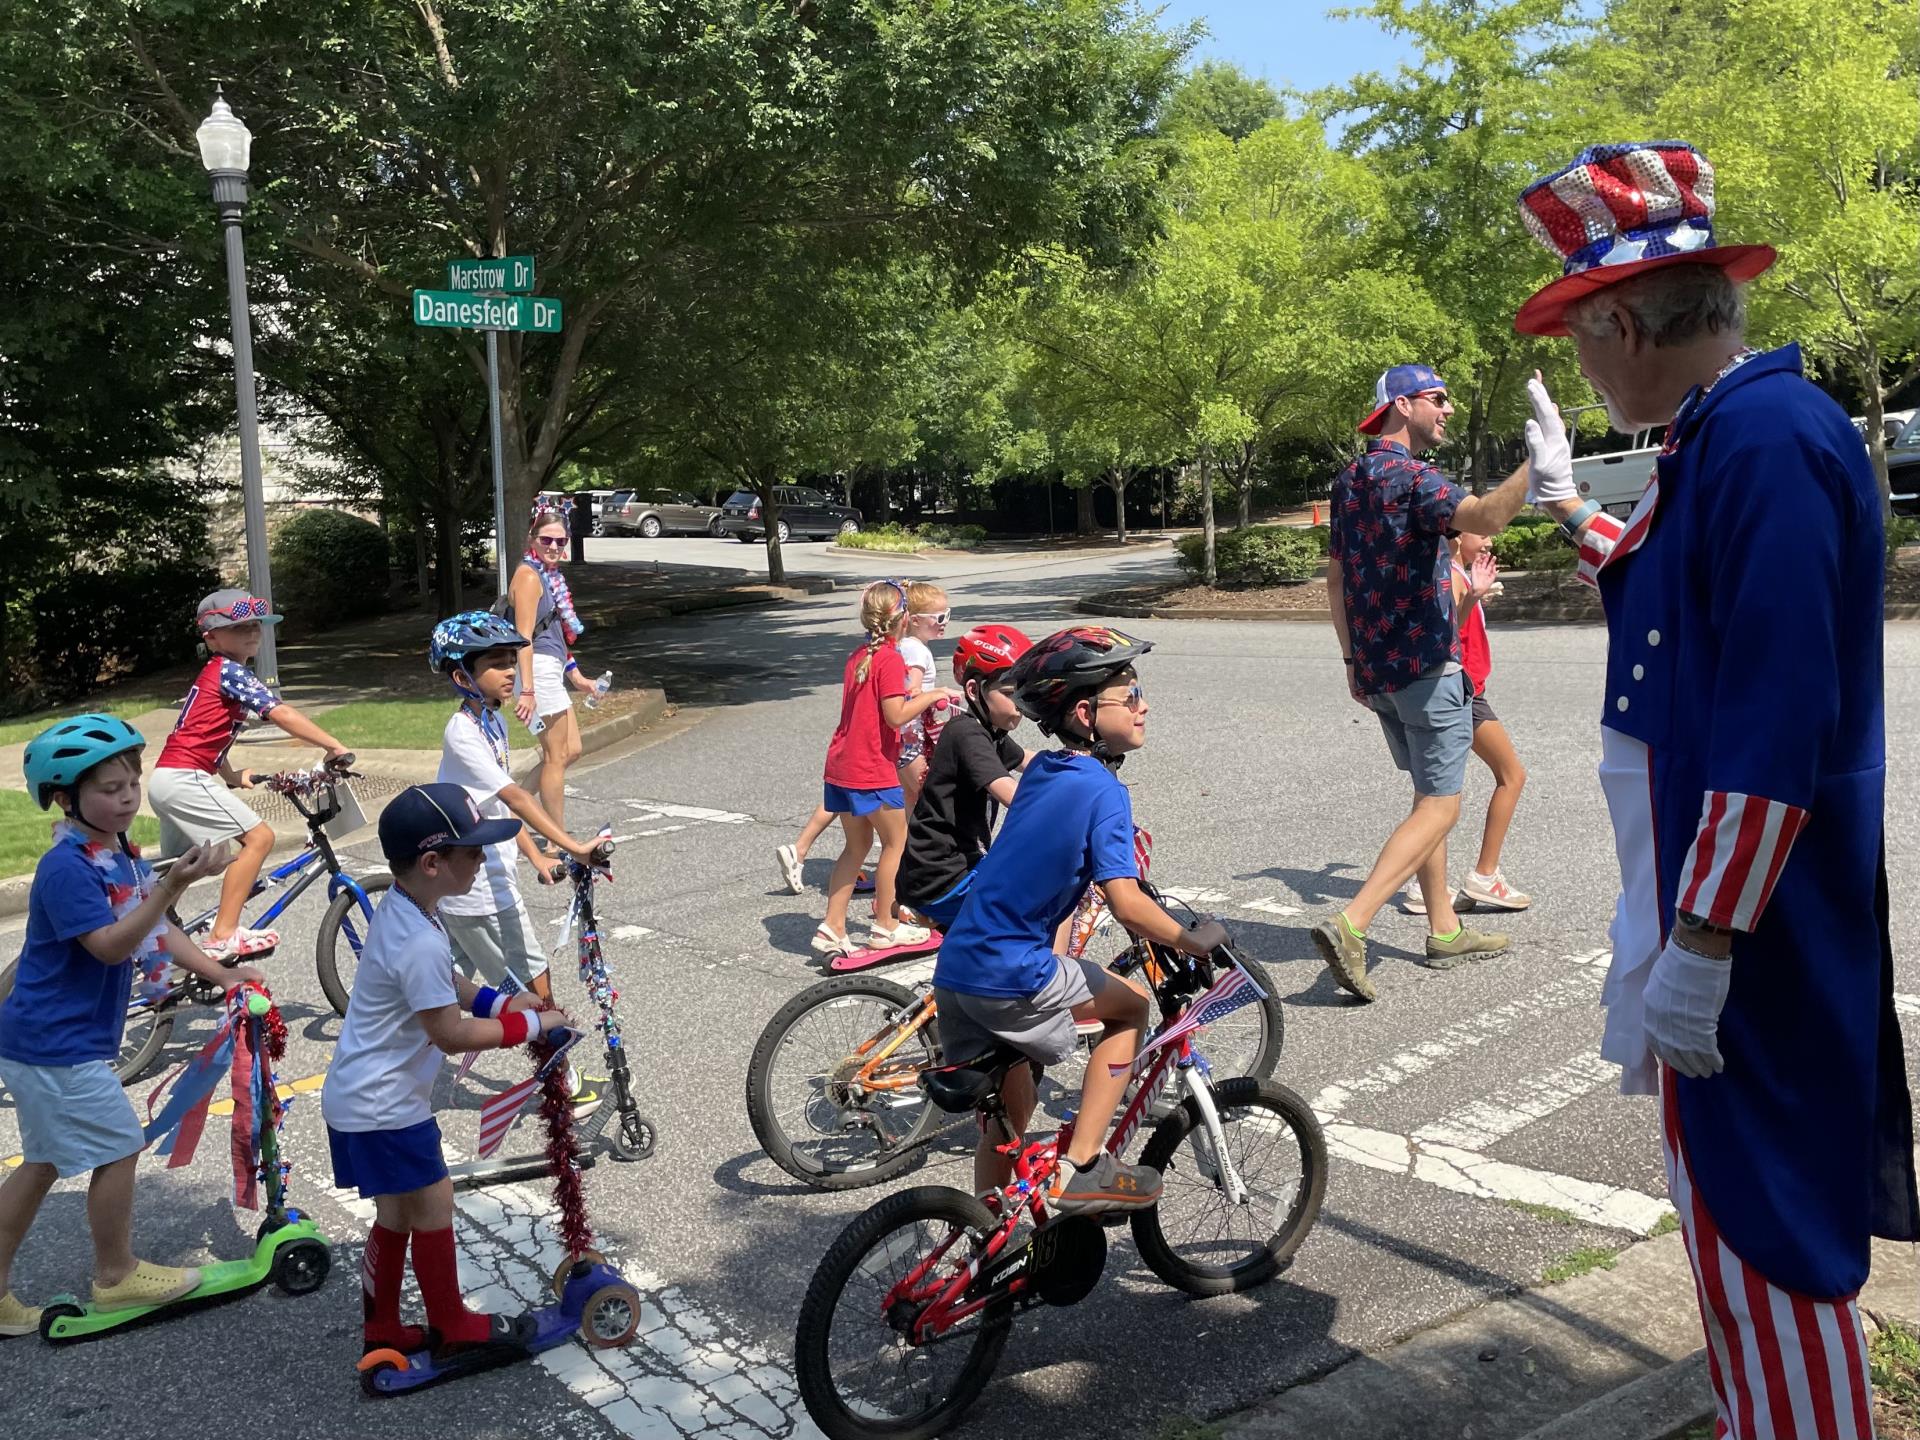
(802, 512)
(1903, 468)
(654, 513)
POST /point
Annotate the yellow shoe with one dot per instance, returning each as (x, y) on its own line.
(17, 1319)
(148, 1285)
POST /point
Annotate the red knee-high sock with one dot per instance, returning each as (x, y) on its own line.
(383, 1267)
(435, 1267)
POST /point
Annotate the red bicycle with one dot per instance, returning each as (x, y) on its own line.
(906, 1316)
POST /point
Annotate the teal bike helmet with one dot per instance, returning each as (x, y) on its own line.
(56, 758)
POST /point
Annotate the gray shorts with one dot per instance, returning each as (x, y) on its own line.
(196, 808)
(492, 947)
(75, 1118)
(1429, 729)
(1039, 1026)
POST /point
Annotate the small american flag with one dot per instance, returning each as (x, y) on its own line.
(499, 1113)
(1231, 991)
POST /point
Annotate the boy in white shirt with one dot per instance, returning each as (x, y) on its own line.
(404, 1016)
(492, 933)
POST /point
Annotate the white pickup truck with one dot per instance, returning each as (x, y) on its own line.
(1615, 481)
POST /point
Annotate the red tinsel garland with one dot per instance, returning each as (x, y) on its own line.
(563, 1153)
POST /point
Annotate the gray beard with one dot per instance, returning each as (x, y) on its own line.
(1616, 417)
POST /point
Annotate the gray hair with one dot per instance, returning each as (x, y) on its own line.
(1671, 306)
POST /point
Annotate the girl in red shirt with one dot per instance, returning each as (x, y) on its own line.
(1474, 579)
(863, 780)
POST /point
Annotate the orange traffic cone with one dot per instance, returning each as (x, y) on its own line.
(1316, 512)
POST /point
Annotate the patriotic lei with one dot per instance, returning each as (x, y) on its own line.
(150, 960)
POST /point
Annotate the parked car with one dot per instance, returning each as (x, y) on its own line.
(1891, 424)
(596, 503)
(1617, 481)
(654, 513)
(1903, 468)
(802, 511)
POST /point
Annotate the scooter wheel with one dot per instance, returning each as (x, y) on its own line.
(301, 1267)
(373, 1365)
(57, 1311)
(565, 1272)
(611, 1315)
(632, 1138)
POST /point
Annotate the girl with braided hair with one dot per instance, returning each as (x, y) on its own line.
(862, 772)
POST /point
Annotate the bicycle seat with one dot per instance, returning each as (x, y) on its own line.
(967, 1084)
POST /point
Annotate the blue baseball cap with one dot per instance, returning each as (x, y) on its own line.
(1401, 380)
(422, 818)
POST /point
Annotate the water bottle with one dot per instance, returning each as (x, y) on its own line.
(600, 689)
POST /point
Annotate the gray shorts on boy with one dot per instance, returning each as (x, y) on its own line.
(492, 947)
(1039, 1026)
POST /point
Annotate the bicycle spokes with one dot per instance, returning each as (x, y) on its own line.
(882, 1369)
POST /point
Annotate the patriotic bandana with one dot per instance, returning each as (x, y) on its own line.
(561, 596)
(150, 960)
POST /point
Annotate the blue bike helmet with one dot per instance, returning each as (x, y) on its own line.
(471, 632)
(56, 758)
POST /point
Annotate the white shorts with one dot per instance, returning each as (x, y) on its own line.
(196, 808)
(550, 692)
(495, 946)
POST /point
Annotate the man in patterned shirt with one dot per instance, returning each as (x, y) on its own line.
(1389, 584)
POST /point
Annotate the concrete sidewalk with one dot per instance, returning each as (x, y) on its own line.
(1611, 1355)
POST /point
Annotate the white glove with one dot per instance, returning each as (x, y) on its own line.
(1548, 451)
(1684, 996)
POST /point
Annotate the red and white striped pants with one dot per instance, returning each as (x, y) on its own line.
(1784, 1367)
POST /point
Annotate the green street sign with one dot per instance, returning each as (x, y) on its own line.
(512, 274)
(451, 310)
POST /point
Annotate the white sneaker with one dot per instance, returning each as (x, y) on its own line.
(790, 869)
(1411, 900)
(1494, 892)
(901, 934)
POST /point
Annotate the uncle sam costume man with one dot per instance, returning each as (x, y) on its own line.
(1743, 761)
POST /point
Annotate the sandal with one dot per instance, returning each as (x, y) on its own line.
(825, 942)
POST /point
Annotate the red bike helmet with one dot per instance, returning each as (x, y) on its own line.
(1059, 671)
(987, 650)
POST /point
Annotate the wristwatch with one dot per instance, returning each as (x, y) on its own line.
(1700, 922)
(1586, 511)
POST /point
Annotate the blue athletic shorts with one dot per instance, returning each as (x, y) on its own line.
(842, 801)
(387, 1162)
(946, 909)
(75, 1118)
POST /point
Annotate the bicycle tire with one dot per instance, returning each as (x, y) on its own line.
(1273, 1021)
(934, 1205)
(129, 1065)
(1236, 1101)
(326, 947)
(763, 1112)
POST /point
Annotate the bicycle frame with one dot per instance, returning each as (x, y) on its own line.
(318, 847)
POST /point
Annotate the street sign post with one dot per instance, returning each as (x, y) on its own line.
(509, 274)
(477, 298)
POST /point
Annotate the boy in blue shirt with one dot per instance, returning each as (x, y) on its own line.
(95, 915)
(998, 980)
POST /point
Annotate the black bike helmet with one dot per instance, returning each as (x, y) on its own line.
(1066, 667)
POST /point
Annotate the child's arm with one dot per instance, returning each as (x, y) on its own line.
(897, 710)
(236, 778)
(112, 944)
(456, 1034)
(1142, 915)
(522, 803)
(303, 729)
(1002, 790)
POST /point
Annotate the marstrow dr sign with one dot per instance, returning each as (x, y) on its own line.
(511, 273)
(451, 310)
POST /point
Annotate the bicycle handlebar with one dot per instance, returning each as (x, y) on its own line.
(324, 776)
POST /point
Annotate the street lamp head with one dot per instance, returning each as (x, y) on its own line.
(225, 143)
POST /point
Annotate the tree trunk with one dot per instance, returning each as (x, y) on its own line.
(420, 555)
(1869, 372)
(1243, 482)
(1210, 573)
(1164, 523)
(1117, 482)
(765, 486)
(1083, 509)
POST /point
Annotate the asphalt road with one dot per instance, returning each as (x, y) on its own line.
(1267, 791)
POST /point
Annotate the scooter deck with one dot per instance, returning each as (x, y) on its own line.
(892, 955)
(222, 1280)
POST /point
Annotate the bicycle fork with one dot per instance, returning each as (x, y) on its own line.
(1219, 1164)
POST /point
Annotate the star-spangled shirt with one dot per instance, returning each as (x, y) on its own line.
(1387, 531)
(216, 708)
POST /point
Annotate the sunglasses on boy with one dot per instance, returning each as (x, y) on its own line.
(1135, 699)
(249, 609)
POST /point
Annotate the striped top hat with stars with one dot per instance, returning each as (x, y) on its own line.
(1621, 210)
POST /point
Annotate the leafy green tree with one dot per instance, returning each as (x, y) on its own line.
(1219, 95)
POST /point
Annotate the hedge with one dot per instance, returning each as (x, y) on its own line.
(1259, 555)
(897, 539)
(1532, 543)
(90, 627)
(329, 566)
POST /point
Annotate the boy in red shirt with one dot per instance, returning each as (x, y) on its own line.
(189, 790)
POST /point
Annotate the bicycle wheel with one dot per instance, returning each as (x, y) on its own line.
(808, 1109)
(1248, 1041)
(148, 1029)
(859, 1375)
(1199, 1241)
(347, 917)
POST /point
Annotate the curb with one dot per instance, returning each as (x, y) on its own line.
(1657, 1406)
(400, 766)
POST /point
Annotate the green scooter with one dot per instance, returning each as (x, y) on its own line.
(288, 1248)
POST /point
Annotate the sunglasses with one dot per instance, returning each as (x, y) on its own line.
(550, 542)
(248, 609)
(1438, 397)
(1135, 699)
(938, 617)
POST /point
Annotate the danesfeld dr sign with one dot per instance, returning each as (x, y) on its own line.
(449, 310)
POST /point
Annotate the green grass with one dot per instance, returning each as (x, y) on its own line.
(26, 829)
(16, 732)
(1549, 1213)
(1666, 1225)
(1893, 1360)
(388, 724)
(1583, 1261)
